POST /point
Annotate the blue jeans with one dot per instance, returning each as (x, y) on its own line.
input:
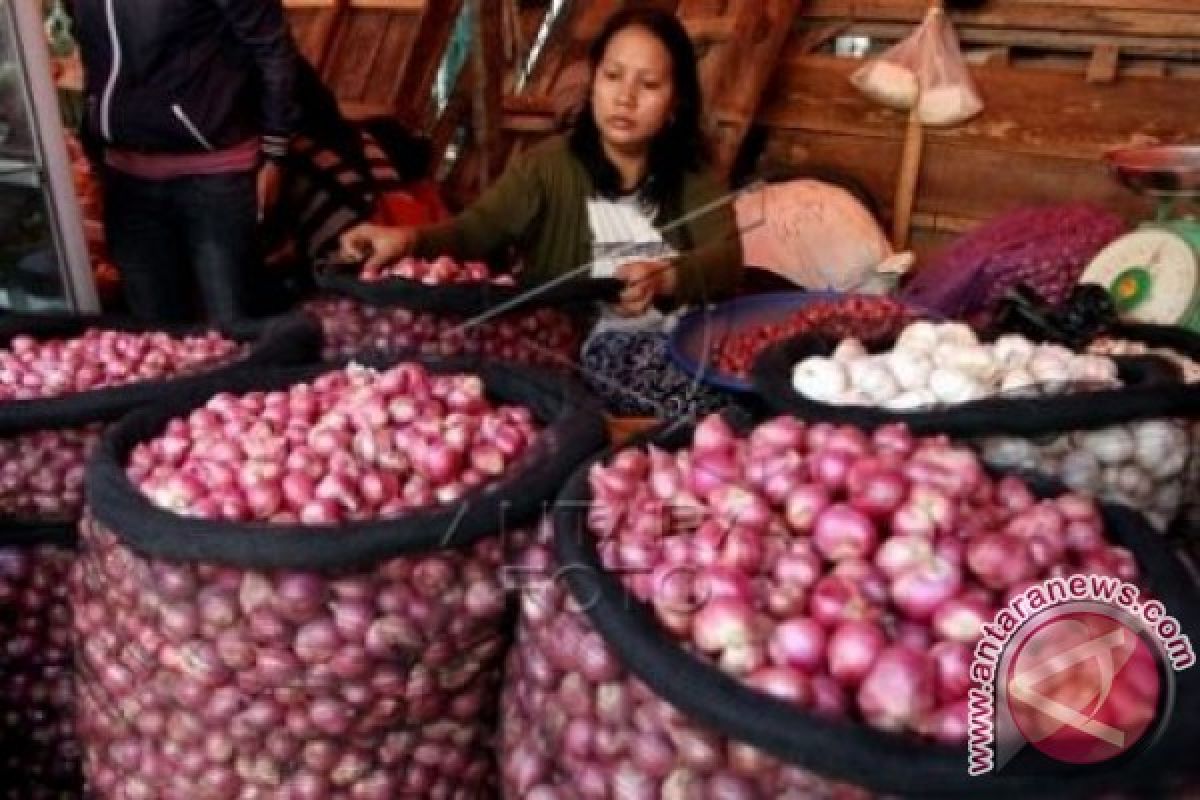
(169, 237)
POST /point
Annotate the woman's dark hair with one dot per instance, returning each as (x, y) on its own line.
(679, 147)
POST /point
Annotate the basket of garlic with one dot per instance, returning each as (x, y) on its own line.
(1117, 427)
(1181, 347)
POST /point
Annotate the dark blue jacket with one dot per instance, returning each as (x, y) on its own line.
(183, 76)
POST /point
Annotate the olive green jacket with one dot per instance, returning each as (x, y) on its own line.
(539, 206)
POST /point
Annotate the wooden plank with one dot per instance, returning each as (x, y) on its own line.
(411, 6)
(1025, 111)
(388, 70)
(490, 81)
(424, 57)
(1102, 67)
(959, 180)
(1033, 15)
(352, 58)
(1067, 41)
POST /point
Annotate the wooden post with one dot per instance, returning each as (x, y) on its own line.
(906, 184)
(488, 60)
(910, 167)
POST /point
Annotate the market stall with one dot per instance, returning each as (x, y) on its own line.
(643, 475)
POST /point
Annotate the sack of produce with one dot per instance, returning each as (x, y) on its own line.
(791, 611)
(1118, 429)
(925, 71)
(427, 308)
(39, 753)
(293, 588)
(816, 235)
(1043, 247)
(62, 379)
(1182, 348)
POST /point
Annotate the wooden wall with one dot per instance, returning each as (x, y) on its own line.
(1063, 81)
(362, 47)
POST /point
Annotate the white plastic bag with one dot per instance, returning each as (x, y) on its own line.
(818, 236)
(926, 70)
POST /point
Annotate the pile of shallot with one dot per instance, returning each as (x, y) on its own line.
(32, 369)
(354, 444)
(846, 573)
(39, 754)
(211, 680)
(843, 572)
(438, 272)
(935, 364)
(544, 336)
(41, 473)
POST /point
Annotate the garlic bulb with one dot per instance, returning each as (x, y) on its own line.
(1012, 351)
(1009, 452)
(874, 380)
(1111, 446)
(921, 336)
(849, 350)
(1089, 369)
(1081, 471)
(822, 379)
(1162, 447)
(953, 387)
(1017, 380)
(910, 369)
(956, 333)
(912, 400)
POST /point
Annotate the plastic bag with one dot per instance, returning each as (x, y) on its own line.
(926, 71)
(818, 236)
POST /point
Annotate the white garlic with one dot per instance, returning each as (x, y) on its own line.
(912, 400)
(911, 369)
(1111, 446)
(956, 333)
(1008, 452)
(1012, 351)
(921, 336)
(953, 387)
(820, 379)
(849, 350)
(1080, 471)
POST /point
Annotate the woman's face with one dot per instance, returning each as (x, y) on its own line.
(633, 92)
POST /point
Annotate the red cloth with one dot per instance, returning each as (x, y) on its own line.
(168, 166)
(418, 204)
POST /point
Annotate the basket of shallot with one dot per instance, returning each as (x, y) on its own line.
(791, 609)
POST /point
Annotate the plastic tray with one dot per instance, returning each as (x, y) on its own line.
(700, 331)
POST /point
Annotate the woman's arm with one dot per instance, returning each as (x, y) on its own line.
(712, 269)
(498, 219)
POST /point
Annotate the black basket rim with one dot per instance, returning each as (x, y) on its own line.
(871, 758)
(572, 429)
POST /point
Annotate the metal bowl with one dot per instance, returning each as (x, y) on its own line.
(1161, 170)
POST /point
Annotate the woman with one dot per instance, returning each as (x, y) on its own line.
(608, 194)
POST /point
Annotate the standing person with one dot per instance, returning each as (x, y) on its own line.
(636, 161)
(188, 106)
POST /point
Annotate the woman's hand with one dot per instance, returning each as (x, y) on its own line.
(377, 245)
(644, 280)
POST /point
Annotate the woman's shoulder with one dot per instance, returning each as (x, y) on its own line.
(552, 153)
